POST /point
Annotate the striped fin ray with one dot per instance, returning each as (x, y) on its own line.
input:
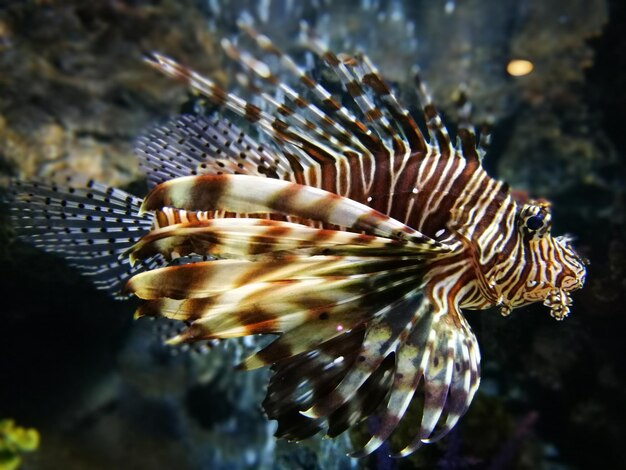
(294, 103)
(374, 80)
(372, 176)
(439, 136)
(205, 278)
(303, 338)
(284, 407)
(293, 106)
(250, 238)
(294, 390)
(365, 401)
(330, 157)
(90, 226)
(345, 68)
(445, 360)
(332, 107)
(274, 300)
(295, 383)
(194, 145)
(262, 307)
(250, 194)
(467, 143)
(382, 338)
(265, 122)
(300, 148)
(464, 110)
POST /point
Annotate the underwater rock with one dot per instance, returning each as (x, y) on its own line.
(75, 92)
(554, 135)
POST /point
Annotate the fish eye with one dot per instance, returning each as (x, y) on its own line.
(534, 222)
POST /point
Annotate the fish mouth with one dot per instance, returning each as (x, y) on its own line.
(557, 297)
(559, 302)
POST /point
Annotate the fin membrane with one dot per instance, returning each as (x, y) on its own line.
(91, 227)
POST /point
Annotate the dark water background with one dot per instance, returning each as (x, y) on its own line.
(100, 389)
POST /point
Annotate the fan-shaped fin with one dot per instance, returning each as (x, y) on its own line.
(299, 380)
(465, 380)
(383, 337)
(91, 226)
(303, 338)
(447, 364)
(194, 145)
(251, 238)
(278, 303)
(412, 359)
(434, 347)
(250, 194)
(205, 278)
(442, 355)
(365, 401)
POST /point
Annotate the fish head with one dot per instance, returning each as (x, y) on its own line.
(551, 267)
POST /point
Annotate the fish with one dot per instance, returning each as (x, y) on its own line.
(333, 224)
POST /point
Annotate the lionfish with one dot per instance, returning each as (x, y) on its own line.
(344, 231)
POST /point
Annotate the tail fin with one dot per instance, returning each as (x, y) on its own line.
(89, 225)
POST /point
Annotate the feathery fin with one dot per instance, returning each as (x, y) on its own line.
(250, 194)
(190, 145)
(90, 226)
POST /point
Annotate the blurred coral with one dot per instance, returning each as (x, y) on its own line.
(15, 440)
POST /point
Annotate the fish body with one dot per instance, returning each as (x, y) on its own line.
(344, 231)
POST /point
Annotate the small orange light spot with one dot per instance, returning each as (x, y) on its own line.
(519, 67)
